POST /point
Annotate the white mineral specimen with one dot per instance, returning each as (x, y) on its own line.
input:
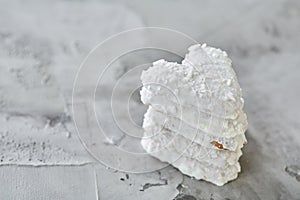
(195, 119)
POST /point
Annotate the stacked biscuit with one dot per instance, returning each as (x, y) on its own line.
(195, 119)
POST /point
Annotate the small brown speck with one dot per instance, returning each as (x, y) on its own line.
(218, 145)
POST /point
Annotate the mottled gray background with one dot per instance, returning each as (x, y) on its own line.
(42, 44)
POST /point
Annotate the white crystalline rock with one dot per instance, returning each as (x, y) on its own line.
(166, 139)
(208, 89)
(195, 168)
(154, 121)
(195, 119)
(201, 120)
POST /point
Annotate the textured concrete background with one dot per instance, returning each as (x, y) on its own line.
(42, 44)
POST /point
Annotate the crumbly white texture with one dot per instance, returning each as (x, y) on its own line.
(167, 139)
(223, 127)
(155, 120)
(202, 98)
(191, 166)
(209, 90)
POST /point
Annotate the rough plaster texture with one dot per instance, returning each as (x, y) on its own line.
(42, 44)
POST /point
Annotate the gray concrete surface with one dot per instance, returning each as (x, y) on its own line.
(42, 44)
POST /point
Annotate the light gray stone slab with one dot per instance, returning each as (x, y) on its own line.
(149, 186)
(65, 183)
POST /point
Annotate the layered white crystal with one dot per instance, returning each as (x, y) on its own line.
(195, 119)
(205, 121)
(154, 121)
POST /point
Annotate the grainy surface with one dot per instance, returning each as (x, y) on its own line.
(42, 44)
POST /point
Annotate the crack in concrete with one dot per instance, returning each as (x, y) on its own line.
(181, 193)
(149, 185)
(96, 185)
(293, 171)
(184, 197)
